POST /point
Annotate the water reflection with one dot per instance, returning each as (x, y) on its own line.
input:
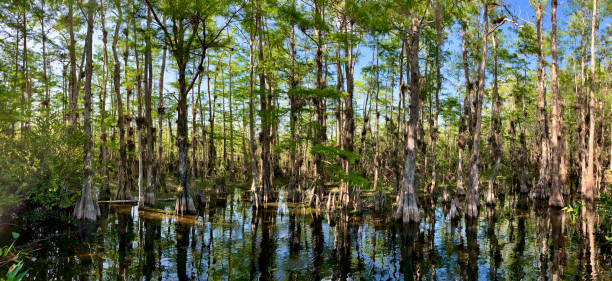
(229, 241)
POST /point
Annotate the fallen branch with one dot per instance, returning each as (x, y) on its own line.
(129, 201)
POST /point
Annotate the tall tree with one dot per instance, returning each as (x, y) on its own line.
(556, 199)
(190, 31)
(589, 181)
(87, 205)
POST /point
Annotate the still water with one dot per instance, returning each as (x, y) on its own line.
(228, 241)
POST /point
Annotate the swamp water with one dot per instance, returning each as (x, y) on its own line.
(229, 241)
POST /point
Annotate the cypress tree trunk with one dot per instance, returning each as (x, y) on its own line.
(160, 118)
(124, 190)
(105, 190)
(320, 108)
(471, 203)
(556, 199)
(149, 195)
(589, 182)
(87, 205)
(407, 209)
(295, 103)
(541, 189)
(72, 84)
(496, 142)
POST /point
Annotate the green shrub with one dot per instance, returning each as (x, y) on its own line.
(41, 170)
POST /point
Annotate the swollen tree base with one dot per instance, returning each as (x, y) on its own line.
(407, 210)
(86, 208)
(184, 204)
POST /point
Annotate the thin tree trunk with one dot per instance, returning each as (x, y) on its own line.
(556, 199)
(160, 117)
(541, 189)
(73, 87)
(434, 128)
(124, 190)
(149, 195)
(254, 184)
(589, 188)
(105, 190)
(496, 124)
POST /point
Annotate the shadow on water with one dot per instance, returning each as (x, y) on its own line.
(227, 240)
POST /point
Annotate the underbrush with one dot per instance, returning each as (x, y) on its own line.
(40, 171)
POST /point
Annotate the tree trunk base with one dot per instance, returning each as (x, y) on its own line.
(123, 194)
(407, 210)
(380, 201)
(455, 211)
(184, 204)
(445, 196)
(86, 209)
(471, 206)
(491, 201)
(149, 198)
(556, 201)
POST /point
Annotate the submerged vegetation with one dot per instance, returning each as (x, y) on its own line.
(383, 109)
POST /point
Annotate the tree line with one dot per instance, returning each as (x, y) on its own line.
(343, 104)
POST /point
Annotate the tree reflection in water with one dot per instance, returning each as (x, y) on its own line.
(228, 240)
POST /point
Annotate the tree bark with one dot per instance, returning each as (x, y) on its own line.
(124, 190)
(496, 123)
(556, 199)
(541, 189)
(149, 195)
(407, 210)
(589, 182)
(105, 190)
(471, 203)
(87, 205)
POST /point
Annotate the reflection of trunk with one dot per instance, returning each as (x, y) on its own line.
(556, 199)
(408, 264)
(473, 249)
(407, 209)
(267, 246)
(471, 204)
(558, 244)
(588, 221)
(87, 205)
(494, 252)
(182, 242)
(541, 189)
(152, 229)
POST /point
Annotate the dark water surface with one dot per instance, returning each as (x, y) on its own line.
(228, 241)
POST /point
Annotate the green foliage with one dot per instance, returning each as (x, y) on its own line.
(41, 171)
(605, 213)
(574, 211)
(12, 257)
